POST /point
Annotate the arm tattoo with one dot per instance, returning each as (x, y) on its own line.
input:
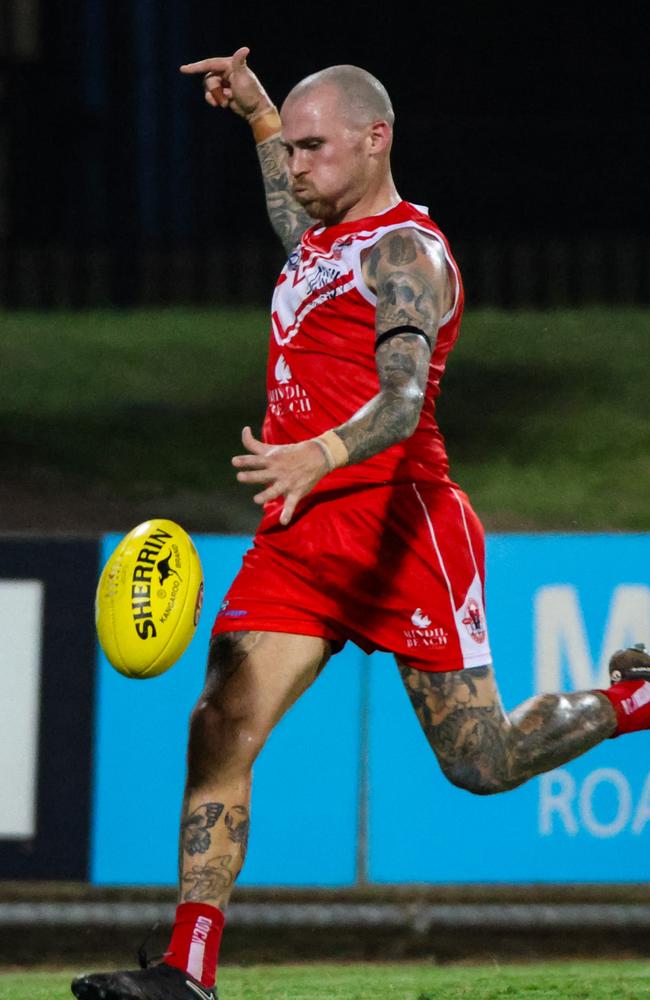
(391, 415)
(288, 218)
(410, 279)
(401, 251)
(196, 838)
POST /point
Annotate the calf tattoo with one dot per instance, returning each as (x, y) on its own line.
(207, 881)
(237, 824)
(482, 749)
(195, 828)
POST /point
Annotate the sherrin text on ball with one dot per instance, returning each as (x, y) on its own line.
(149, 599)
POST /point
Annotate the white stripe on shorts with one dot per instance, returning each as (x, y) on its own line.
(467, 535)
(474, 653)
(436, 547)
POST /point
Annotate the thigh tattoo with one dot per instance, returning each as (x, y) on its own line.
(227, 652)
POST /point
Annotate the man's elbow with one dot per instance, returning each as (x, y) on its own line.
(411, 402)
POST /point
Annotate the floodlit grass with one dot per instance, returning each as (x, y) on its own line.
(623, 980)
(546, 414)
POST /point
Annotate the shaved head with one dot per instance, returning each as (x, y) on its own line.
(361, 96)
(337, 130)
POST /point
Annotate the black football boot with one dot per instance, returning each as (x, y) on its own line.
(158, 982)
(631, 664)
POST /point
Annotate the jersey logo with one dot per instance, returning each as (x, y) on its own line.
(420, 620)
(292, 307)
(287, 396)
(317, 277)
(314, 274)
(282, 371)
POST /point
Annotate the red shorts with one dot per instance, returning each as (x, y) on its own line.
(398, 568)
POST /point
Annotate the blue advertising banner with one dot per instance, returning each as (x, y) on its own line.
(305, 798)
(557, 607)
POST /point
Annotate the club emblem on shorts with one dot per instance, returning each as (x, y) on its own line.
(282, 371)
(474, 621)
(424, 634)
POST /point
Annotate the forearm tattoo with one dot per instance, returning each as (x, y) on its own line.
(288, 218)
(482, 749)
(410, 279)
(393, 414)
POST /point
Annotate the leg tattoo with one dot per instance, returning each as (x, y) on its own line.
(196, 828)
(207, 878)
(252, 678)
(207, 881)
(482, 749)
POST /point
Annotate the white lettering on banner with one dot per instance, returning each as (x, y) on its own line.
(557, 790)
(563, 808)
(561, 636)
(618, 781)
(21, 603)
(642, 815)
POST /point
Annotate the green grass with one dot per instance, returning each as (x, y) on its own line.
(546, 414)
(622, 980)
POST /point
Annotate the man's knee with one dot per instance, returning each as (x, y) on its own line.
(222, 734)
(224, 730)
(470, 778)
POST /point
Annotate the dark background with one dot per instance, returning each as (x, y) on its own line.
(522, 126)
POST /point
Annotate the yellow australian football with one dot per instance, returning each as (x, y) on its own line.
(149, 599)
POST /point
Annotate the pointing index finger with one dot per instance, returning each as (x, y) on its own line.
(216, 65)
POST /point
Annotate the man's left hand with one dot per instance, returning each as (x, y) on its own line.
(290, 470)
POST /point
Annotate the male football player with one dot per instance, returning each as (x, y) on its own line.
(363, 535)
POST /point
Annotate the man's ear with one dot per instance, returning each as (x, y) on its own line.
(380, 136)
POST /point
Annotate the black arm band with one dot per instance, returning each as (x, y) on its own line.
(387, 334)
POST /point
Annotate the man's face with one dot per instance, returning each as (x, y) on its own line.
(328, 154)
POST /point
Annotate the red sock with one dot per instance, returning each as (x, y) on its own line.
(631, 701)
(196, 937)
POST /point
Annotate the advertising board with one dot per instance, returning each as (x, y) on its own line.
(347, 786)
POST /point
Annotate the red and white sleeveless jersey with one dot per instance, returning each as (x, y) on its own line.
(321, 366)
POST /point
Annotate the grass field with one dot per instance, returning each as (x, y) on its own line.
(546, 414)
(620, 980)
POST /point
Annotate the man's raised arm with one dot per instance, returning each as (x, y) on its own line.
(229, 83)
